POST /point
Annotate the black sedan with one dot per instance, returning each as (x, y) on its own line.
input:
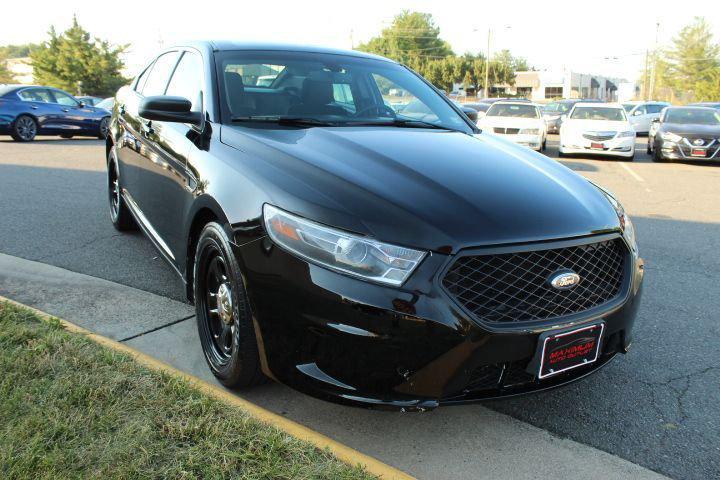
(360, 252)
(685, 133)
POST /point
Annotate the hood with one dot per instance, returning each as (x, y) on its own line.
(431, 189)
(510, 122)
(595, 125)
(692, 130)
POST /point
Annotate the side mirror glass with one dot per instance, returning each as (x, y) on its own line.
(169, 109)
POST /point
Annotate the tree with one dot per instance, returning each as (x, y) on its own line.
(75, 61)
(412, 39)
(5, 75)
(17, 51)
(692, 65)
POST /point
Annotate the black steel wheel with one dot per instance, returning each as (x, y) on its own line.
(104, 128)
(24, 129)
(223, 312)
(119, 214)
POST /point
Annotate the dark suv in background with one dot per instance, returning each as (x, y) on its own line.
(361, 251)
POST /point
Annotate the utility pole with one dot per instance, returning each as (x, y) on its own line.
(647, 74)
(487, 65)
(654, 67)
(352, 40)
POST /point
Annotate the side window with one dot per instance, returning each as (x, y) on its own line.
(35, 95)
(187, 80)
(640, 110)
(654, 108)
(159, 75)
(402, 101)
(143, 78)
(64, 99)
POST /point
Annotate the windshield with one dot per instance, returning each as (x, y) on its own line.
(514, 110)
(696, 116)
(629, 106)
(557, 107)
(598, 113)
(330, 89)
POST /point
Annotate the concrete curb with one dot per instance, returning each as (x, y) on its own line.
(343, 452)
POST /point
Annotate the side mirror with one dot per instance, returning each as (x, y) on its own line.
(81, 104)
(655, 120)
(637, 113)
(169, 109)
(471, 113)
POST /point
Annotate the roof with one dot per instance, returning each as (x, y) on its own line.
(222, 45)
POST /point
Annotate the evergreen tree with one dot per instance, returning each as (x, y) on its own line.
(74, 61)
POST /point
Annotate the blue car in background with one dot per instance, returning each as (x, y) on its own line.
(27, 111)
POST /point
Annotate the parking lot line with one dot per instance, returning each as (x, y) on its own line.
(343, 452)
(634, 174)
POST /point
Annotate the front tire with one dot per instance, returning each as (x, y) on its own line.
(120, 216)
(104, 128)
(657, 156)
(24, 129)
(223, 312)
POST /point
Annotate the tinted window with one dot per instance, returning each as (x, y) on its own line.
(187, 80)
(515, 110)
(654, 108)
(628, 106)
(160, 74)
(559, 107)
(64, 99)
(35, 95)
(598, 113)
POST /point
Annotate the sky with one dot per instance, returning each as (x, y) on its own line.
(605, 38)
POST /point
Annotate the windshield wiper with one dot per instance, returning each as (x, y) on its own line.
(399, 122)
(284, 120)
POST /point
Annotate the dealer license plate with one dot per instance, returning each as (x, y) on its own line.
(698, 152)
(567, 350)
(597, 146)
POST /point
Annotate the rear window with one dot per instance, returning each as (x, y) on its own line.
(6, 89)
(515, 110)
(598, 113)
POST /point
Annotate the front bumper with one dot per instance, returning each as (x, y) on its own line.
(616, 147)
(348, 341)
(533, 142)
(683, 150)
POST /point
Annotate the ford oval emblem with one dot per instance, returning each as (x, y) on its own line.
(564, 279)
(698, 141)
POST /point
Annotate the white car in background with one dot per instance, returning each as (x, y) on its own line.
(642, 114)
(598, 128)
(518, 122)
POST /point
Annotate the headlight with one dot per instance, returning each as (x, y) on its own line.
(529, 131)
(670, 137)
(629, 133)
(625, 223)
(341, 251)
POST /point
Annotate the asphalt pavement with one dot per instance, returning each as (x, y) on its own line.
(657, 407)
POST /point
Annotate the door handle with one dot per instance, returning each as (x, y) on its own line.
(65, 109)
(34, 107)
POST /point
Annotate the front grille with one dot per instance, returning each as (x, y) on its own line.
(599, 136)
(506, 131)
(514, 287)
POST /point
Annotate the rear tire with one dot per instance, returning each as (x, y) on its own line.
(657, 156)
(120, 216)
(223, 312)
(24, 129)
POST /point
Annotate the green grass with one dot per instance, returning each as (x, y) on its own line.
(70, 408)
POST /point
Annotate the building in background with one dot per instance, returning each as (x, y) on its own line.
(546, 85)
(21, 69)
